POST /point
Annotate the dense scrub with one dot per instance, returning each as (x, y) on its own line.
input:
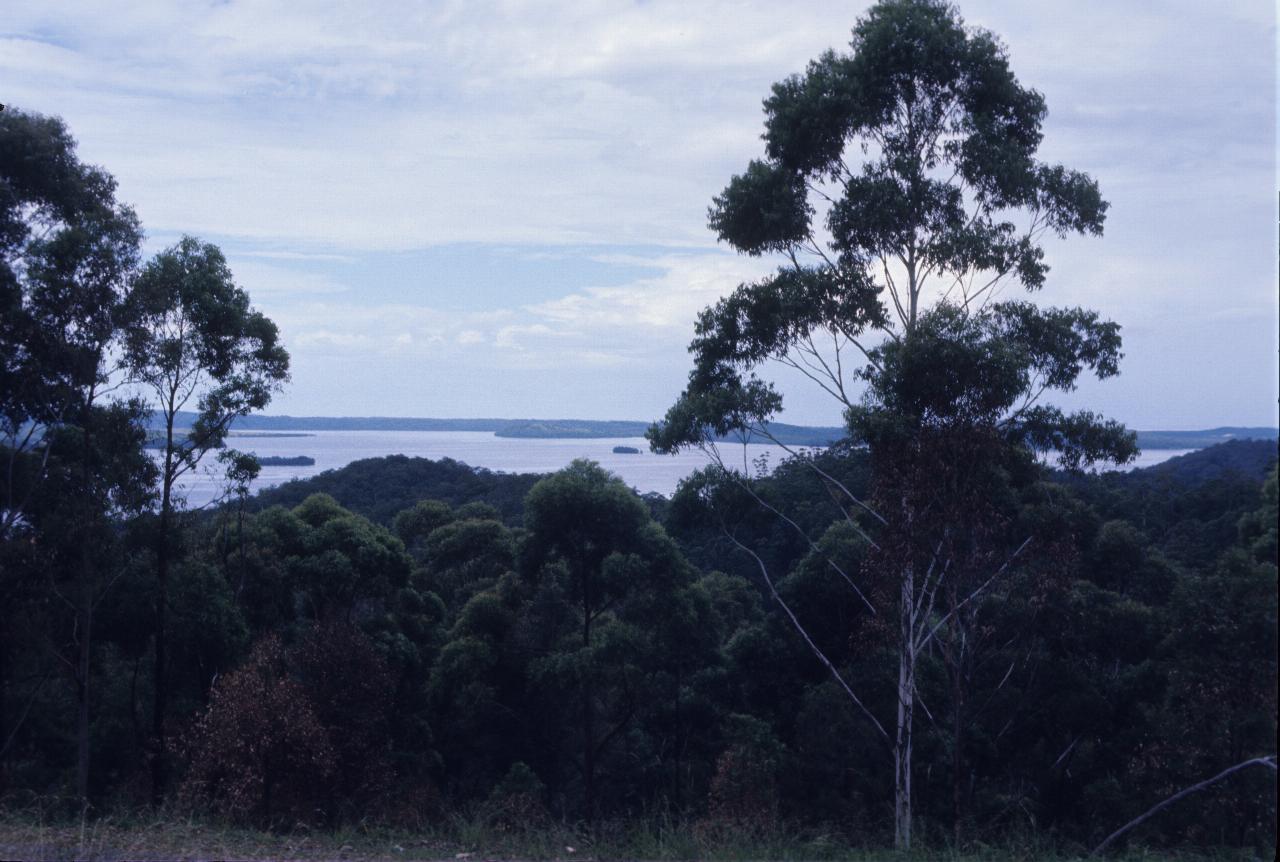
(380, 488)
(596, 665)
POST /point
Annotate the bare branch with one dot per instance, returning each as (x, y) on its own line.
(817, 651)
(1268, 761)
(977, 592)
(763, 431)
(812, 544)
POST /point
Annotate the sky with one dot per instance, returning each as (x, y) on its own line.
(470, 209)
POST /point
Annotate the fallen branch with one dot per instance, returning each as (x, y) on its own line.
(1269, 762)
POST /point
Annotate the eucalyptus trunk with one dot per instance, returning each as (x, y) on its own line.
(588, 710)
(906, 709)
(85, 625)
(84, 613)
(159, 762)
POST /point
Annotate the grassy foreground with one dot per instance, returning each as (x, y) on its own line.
(113, 838)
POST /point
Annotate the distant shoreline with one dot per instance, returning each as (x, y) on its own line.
(578, 429)
(271, 434)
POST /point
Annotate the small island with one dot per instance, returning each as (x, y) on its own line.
(286, 461)
(625, 450)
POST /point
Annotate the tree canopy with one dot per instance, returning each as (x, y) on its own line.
(900, 176)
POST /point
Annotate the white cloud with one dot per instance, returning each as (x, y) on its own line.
(641, 320)
(386, 128)
(670, 301)
(328, 338)
(508, 337)
(315, 133)
(265, 281)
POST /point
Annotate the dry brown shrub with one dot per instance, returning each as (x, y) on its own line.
(259, 753)
(516, 802)
(743, 799)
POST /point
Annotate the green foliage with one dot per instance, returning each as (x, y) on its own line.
(381, 488)
(67, 249)
(71, 460)
(194, 334)
(1258, 528)
(334, 561)
(516, 802)
(210, 633)
(1109, 674)
(949, 140)
(1188, 507)
(986, 369)
(467, 556)
(415, 524)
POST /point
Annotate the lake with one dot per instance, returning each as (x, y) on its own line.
(332, 449)
(645, 471)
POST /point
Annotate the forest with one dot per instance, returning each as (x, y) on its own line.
(955, 627)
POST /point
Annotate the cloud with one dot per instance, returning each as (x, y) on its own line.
(263, 280)
(645, 320)
(381, 126)
(391, 129)
(297, 256)
(328, 338)
(508, 337)
(670, 301)
(307, 138)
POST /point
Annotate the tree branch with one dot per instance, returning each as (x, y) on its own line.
(817, 651)
(1268, 761)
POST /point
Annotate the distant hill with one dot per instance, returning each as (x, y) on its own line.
(1247, 459)
(259, 422)
(1189, 506)
(1202, 439)
(378, 488)
(791, 435)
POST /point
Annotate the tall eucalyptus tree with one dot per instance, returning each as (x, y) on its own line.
(68, 249)
(194, 341)
(901, 193)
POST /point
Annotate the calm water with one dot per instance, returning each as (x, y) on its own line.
(644, 472)
(332, 449)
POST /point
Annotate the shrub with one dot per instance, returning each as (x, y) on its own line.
(259, 753)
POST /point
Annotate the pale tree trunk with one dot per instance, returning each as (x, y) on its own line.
(588, 708)
(906, 708)
(82, 697)
(84, 623)
(958, 687)
(159, 763)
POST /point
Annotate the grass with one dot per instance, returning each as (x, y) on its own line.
(474, 840)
